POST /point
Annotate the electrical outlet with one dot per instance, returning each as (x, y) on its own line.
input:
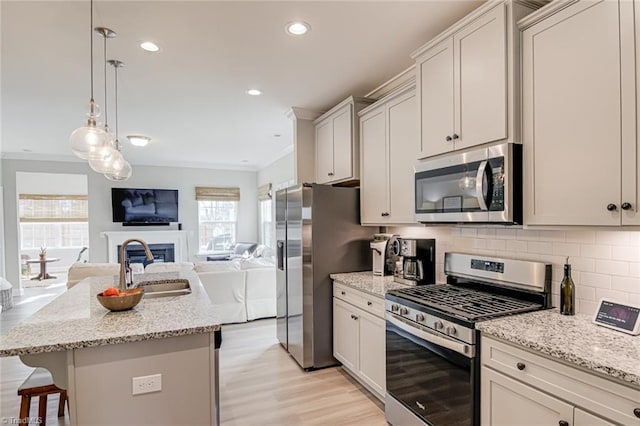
(146, 384)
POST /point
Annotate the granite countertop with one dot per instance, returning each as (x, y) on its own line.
(573, 339)
(76, 319)
(366, 281)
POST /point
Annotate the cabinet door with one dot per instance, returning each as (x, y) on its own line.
(572, 115)
(582, 418)
(324, 152)
(507, 402)
(371, 365)
(342, 144)
(345, 334)
(403, 136)
(374, 190)
(435, 93)
(480, 75)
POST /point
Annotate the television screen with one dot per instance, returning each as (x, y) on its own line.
(135, 205)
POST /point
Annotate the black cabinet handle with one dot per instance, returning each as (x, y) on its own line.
(354, 317)
(343, 293)
(520, 366)
(636, 412)
(626, 206)
(455, 136)
(563, 423)
(448, 139)
(330, 174)
(612, 207)
(369, 303)
(384, 214)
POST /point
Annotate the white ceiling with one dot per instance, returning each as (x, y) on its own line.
(190, 96)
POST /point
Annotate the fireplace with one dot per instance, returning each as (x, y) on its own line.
(161, 253)
(159, 241)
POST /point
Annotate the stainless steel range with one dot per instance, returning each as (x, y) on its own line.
(432, 345)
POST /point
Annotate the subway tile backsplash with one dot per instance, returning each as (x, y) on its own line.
(604, 263)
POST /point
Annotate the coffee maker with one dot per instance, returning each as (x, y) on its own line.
(418, 265)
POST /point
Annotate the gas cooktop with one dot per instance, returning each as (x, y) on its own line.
(473, 305)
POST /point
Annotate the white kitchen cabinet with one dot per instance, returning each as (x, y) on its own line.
(466, 80)
(337, 153)
(388, 135)
(519, 386)
(359, 336)
(579, 115)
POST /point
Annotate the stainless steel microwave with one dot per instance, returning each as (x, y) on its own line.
(478, 186)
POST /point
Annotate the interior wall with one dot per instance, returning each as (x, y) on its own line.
(100, 217)
(279, 172)
(604, 263)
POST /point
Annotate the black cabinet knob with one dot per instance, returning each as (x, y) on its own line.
(330, 174)
(448, 139)
(384, 214)
(455, 136)
(520, 366)
(636, 412)
(343, 293)
(369, 303)
(626, 206)
(563, 423)
(612, 207)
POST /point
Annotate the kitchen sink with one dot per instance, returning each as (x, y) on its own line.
(165, 288)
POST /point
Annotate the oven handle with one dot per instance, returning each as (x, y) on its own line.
(430, 336)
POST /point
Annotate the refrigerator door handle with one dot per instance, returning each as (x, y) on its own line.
(281, 255)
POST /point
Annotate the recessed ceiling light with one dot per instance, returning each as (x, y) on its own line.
(277, 135)
(150, 46)
(297, 28)
(26, 150)
(254, 92)
(245, 161)
(138, 140)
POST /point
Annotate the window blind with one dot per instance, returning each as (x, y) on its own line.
(207, 193)
(53, 208)
(264, 192)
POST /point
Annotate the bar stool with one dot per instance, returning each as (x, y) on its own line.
(39, 384)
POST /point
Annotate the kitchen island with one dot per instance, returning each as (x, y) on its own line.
(96, 354)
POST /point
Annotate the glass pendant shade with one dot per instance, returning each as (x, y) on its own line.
(104, 164)
(90, 141)
(120, 168)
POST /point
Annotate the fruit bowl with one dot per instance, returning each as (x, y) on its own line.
(123, 301)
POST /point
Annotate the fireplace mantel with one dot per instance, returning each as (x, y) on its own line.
(177, 238)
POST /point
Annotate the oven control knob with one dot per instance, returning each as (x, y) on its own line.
(419, 317)
(438, 325)
(404, 311)
(395, 308)
(452, 331)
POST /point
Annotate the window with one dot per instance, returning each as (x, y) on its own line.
(53, 221)
(217, 218)
(266, 223)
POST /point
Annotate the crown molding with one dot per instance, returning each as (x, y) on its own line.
(302, 114)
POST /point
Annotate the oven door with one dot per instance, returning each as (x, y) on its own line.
(431, 378)
(475, 186)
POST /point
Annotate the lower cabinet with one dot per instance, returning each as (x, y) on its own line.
(520, 387)
(358, 342)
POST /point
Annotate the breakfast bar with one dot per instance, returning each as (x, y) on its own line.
(128, 367)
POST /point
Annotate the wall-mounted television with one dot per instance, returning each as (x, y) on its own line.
(136, 206)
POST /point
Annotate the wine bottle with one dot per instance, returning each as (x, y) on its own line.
(567, 292)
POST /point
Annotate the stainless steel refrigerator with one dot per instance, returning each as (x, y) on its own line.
(318, 232)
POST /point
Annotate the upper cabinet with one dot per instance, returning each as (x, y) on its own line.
(580, 111)
(466, 80)
(337, 153)
(388, 141)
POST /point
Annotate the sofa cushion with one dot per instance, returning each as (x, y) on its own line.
(230, 265)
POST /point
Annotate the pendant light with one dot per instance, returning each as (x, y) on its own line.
(102, 164)
(90, 141)
(120, 169)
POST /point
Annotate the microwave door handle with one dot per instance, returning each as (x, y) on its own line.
(479, 185)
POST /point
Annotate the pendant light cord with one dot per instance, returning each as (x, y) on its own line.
(116, 105)
(91, 43)
(106, 109)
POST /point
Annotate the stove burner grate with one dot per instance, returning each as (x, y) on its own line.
(466, 303)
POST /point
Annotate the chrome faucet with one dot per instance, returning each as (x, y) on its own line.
(122, 286)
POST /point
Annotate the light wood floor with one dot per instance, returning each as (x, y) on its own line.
(260, 384)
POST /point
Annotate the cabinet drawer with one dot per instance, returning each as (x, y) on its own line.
(365, 301)
(599, 395)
